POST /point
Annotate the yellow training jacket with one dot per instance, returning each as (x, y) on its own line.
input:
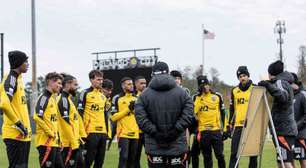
(68, 122)
(209, 109)
(13, 102)
(126, 122)
(239, 106)
(46, 119)
(91, 106)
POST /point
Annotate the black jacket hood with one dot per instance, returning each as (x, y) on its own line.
(162, 82)
(286, 76)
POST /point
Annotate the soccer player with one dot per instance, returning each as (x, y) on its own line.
(46, 118)
(91, 106)
(127, 128)
(16, 129)
(209, 109)
(238, 108)
(69, 122)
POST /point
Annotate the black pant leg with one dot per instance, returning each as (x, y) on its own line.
(47, 156)
(123, 152)
(17, 153)
(133, 146)
(253, 162)
(218, 147)
(235, 146)
(91, 149)
(206, 148)
(101, 147)
(81, 157)
(59, 163)
(70, 157)
(139, 150)
(195, 152)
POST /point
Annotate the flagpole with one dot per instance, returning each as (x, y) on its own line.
(202, 31)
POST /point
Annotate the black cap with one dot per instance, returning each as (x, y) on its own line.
(160, 68)
(16, 58)
(176, 73)
(202, 80)
(242, 70)
(276, 68)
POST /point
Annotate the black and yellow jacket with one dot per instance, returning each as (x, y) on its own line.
(69, 122)
(46, 119)
(108, 109)
(209, 109)
(91, 106)
(14, 105)
(239, 104)
(126, 123)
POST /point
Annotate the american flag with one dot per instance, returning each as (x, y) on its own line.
(208, 34)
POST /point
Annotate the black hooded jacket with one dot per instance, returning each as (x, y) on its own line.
(282, 108)
(161, 107)
(300, 111)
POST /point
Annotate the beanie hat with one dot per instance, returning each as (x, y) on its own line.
(175, 74)
(160, 68)
(242, 70)
(276, 68)
(202, 80)
(16, 58)
(296, 79)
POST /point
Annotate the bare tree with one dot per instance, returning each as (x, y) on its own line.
(302, 63)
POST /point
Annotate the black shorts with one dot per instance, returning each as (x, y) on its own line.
(286, 144)
(299, 150)
(168, 161)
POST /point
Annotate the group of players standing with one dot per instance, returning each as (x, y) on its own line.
(69, 135)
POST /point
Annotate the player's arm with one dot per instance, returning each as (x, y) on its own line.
(222, 109)
(231, 121)
(40, 110)
(10, 86)
(64, 109)
(82, 102)
(119, 114)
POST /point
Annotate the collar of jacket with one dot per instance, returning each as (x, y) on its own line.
(65, 94)
(47, 92)
(246, 86)
(14, 73)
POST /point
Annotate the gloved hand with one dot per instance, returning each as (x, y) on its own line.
(264, 83)
(20, 127)
(225, 136)
(132, 105)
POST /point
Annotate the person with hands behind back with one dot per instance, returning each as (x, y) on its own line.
(164, 111)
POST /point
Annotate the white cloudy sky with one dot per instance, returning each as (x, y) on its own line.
(68, 31)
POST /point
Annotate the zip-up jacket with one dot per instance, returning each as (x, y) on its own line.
(299, 103)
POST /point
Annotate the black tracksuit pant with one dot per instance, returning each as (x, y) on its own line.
(95, 147)
(128, 150)
(212, 140)
(17, 153)
(195, 152)
(50, 157)
(70, 157)
(139, 150)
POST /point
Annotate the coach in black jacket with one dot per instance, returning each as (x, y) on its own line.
(163, 112)
(282, 109)
(300, 118)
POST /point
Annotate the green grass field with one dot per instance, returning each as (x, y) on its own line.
(111, 159)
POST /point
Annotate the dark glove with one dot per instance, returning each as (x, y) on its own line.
(132, 105)
(20, 127)
(264, 83)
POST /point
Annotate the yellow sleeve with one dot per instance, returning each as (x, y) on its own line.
(82, 131)
(40, 109)
(39, 121)
(120, 114)
(196, 107)
(8, 109)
